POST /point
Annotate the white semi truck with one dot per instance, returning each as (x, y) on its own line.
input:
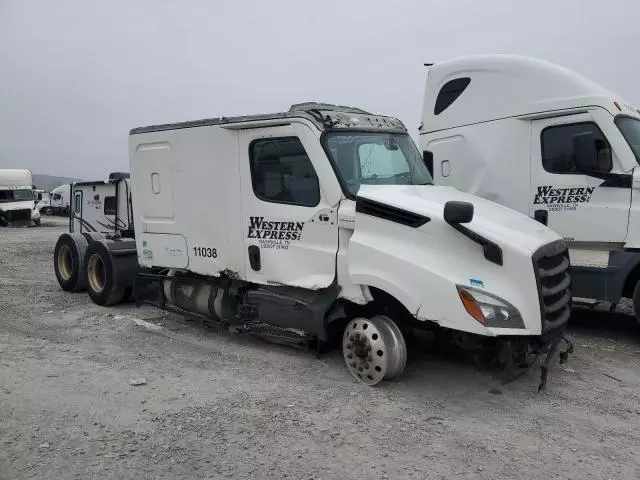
(60, 199)
(551, 144)
(17, 206)
(322, 223)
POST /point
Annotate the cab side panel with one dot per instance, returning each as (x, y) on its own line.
(490, 160)
(186, 204)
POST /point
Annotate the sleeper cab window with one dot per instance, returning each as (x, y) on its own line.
(559, 142)
(78, 202)
(449, 93)
(281, 172)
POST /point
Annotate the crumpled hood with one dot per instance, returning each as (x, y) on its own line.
(491, 220)
(9, 206)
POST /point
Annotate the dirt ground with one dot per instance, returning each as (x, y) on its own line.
(218, 406)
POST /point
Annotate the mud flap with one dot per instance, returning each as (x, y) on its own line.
(559, 348)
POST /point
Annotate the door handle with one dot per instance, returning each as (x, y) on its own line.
(254, 257)
(541, 216)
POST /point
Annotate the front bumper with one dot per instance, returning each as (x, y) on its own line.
(16, 218)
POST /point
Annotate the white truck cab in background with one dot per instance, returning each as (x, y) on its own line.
(17, 205)
(551, 144)
(60, 198)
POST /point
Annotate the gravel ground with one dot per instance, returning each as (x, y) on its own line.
(218, 406)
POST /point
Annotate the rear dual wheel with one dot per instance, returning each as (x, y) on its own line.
(68, 262)
(102, 284)
(374, 349)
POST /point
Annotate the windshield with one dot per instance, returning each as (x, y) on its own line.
(630, 128)
(15, 195)
(364, 158)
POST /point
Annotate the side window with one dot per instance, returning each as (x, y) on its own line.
(282, 172)
(449, 93)
(78, 203)
(110, 205)
(559, 147)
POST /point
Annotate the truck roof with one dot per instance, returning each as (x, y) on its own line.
(323, 115)
(492, 87)
(15, 177)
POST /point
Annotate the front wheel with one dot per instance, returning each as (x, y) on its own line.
(374, 349)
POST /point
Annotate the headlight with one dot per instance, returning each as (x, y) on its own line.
(489, 310)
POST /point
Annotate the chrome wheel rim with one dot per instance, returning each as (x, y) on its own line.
(96, 273)
(374, 349)
(65, 263)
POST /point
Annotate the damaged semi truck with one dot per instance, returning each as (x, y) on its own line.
(322, 223)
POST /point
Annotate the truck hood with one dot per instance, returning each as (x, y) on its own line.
(491, 220)
(9, 206)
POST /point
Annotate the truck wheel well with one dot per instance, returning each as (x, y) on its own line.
(631, 281)
(387, 304)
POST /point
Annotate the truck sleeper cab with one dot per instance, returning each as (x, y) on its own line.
(550, 144)
(322, 223)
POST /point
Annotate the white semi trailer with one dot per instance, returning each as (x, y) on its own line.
(551, 144)
(322, 222)
(17, 206)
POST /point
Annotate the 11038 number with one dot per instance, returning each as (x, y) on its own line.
(205, 252)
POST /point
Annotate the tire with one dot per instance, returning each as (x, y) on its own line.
(128, 295)
(93, 236)
(636, 301)
(102, 279)
(374, 349)
(46, 211)
(68, 262)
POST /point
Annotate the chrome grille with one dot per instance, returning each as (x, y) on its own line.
(551, 266)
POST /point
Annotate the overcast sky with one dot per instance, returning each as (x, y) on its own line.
(77, 75)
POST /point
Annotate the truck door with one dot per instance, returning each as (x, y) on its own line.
(77, 212)
(290, 230)
(581, 204)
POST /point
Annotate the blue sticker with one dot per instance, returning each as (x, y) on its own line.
(476, 283)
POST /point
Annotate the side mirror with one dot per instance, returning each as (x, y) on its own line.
(584, 146)
(458, 212)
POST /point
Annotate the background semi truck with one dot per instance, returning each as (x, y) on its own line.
(17, 205)
(551, 144)
(60, 199)
(322, 223)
